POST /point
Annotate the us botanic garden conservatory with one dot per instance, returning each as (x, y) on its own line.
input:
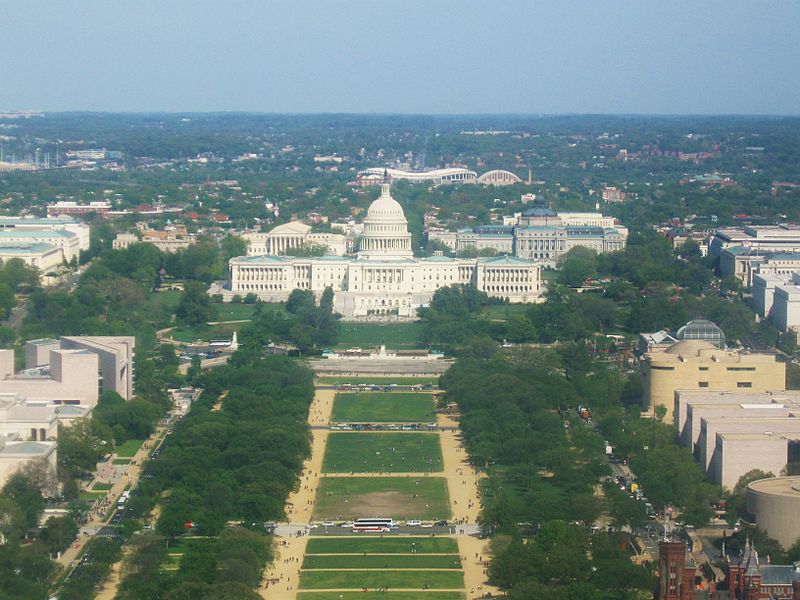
(383, 277)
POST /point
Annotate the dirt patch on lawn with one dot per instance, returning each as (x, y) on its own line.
(393, 504)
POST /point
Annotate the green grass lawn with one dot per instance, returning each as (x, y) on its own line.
(204, 332)
(342, 580)
(396, 336)
(374, 561)
(91, 496)
(102, 486)
(129, 448)
(369, 379)
(504, 311)
(241, 311)
(396, 497)
(426, 595)
(122, 461)
(381, 545)
(233, 312)
(382, 453)
(168, 300)
(383, 407)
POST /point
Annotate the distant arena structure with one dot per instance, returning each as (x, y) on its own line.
(374, 175)
(499, 177)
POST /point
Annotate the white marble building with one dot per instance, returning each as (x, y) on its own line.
(290, 236)
(540, 234)
(383, 278)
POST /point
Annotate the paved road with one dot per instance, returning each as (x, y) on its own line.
(296, 529)
(19, 312)
(648, 544)
(378, 367)
(395, 388)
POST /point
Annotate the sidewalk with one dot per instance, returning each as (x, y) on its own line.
(128, 479)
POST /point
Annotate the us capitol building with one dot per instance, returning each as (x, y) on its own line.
(382, 278)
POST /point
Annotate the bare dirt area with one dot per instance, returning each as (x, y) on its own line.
(462, 478)
(475, 561)
(383, 503)
(415, 497)
(463, 484)
(282, 577)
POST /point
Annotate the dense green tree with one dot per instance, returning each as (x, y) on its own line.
(58, 533)
(577, 265)
(25, 495)
(195, 307)
(82, 445)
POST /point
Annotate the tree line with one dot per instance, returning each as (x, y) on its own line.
(542, 466)
(235, 463)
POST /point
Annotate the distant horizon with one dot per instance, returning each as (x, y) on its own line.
(395, 114)
(449, 57)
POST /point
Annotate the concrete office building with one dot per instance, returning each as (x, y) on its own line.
(62, 223)
(739, 453)
(166, 241)
(725, 398)
(114, 358)
(731, 433)
(699, 412)
(62, 382)
(736, 454)
(785, 311)
(776, 296)
(71, 377)
(44, 257)
(764, 292)
(65, 241)
(16, 454)
(768, 238)
(743, 263)
(699, 364)
(36, 420)
(775, 503)
(708, 443)
(42, 243)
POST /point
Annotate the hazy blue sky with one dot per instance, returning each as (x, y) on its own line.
(421, 56)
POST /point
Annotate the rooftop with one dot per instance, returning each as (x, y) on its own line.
(35, 233)
(777, 486)
(29, 448)
(7, 248)
(505, 260)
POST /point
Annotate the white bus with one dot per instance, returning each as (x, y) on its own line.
(123, 499)
(374, 525)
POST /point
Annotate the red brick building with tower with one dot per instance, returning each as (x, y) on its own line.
(676, 576)
(748, 579)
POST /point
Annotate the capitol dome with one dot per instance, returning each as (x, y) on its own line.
(385, 233)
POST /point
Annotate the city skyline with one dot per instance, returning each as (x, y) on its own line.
(367, 57)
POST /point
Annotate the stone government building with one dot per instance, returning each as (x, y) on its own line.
(540, 234)
(383, 278)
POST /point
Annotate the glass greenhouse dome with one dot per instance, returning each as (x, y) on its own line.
(701, 329)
